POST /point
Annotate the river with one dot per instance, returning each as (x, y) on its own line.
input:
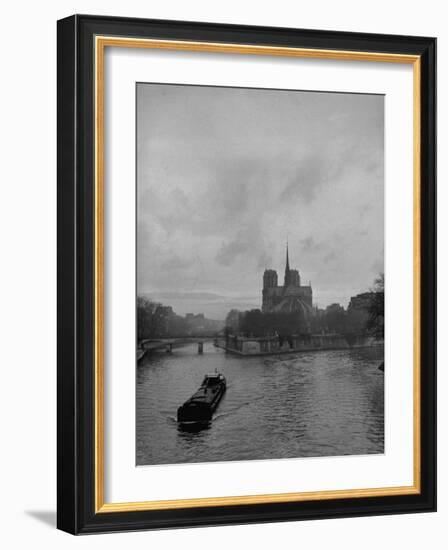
(324, 403)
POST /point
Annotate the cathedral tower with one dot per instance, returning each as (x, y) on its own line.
(270, 279)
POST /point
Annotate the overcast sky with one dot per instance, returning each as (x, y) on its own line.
(226, 175)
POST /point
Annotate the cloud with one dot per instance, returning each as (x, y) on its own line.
(246, 242)
(176, 262)
(229, 252)
(307, 244)
(378, 266)
(224, 175)
(329, 257)
(306, 182)
(264, 260)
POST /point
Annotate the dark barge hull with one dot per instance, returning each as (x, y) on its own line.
(202, 404)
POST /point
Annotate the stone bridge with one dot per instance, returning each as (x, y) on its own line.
(168, 344)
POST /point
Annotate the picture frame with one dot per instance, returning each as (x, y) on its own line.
(82, 195)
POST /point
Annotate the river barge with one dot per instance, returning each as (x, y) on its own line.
(202, 404)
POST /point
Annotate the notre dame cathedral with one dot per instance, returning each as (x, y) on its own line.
(291, 297)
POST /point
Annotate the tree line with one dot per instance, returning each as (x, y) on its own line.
(365, 315)
(156, 320)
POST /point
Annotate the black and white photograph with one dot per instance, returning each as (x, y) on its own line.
(260, 274)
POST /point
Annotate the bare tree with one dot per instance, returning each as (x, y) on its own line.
(375, 322)
(146, 318)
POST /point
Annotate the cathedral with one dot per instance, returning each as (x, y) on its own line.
(291, 297)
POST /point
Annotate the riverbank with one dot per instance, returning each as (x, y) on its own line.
(254, 347)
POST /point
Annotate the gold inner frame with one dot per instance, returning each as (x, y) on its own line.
(101, 42)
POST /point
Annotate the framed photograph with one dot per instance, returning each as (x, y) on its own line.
(246, 274)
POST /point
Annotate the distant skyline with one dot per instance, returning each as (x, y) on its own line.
(226, 175)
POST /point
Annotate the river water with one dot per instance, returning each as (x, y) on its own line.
(307, 404)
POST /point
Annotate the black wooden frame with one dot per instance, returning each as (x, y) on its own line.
(76, 512)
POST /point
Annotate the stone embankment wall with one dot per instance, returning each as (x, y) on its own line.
(313, 342)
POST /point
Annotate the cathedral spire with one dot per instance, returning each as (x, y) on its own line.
(287, 271)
